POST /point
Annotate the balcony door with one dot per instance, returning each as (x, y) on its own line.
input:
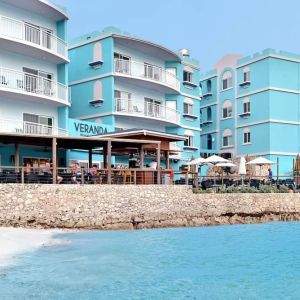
(35, 124)
(152, 72)
(122, 63)
(123, 102)
(38, 35)
(37, 81)
(152, 108)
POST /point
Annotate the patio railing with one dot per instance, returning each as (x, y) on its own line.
(43, 175)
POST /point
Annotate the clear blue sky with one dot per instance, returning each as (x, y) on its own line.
(209, 28)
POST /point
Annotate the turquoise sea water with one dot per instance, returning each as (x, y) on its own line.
(226, 262)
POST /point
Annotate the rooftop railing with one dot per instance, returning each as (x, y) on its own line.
(146, 71)
(21, 81)
(30, 128)
(146, 109)
(33, 34)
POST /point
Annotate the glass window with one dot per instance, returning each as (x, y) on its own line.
(247, 136)
(189, 142)
(187, 76)
(122, 63)
(209, 142)
(208, 85)
(246, 106)
(227, 109)
(188, 109)
(227, 138)
(246, 76)
(208, 114)
(35, 124)
(226, 80)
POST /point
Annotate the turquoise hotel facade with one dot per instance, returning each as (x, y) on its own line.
(124, 82)
(250, 107)
(33, 74)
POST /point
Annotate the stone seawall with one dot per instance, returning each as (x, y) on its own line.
(137, 207)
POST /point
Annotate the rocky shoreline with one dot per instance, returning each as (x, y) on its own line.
(136, 207)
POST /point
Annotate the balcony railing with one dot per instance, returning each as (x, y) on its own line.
(146, 109)
(146, 71)
(21, 81)
(18, 126)
(20, 30)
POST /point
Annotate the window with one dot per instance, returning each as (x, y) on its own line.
(208, 114)
(122, 63)
(208, 86)
(246, 105)
(189, 142)
(188, 106)
(247, 136)
(246, 74)
(227, 138)
(227, 109)
(226, 80)
(187, 76)
(209, 142)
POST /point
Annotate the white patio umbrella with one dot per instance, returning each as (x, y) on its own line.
(224, 165)
(260, 161)
(214, 160)
(197, 161)
(242, 168)
(200, 161)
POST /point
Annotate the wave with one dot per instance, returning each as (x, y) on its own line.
(16, 241)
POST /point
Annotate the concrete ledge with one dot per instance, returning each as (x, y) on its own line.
(136, 207)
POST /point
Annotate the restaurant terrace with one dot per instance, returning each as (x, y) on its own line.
(143, 143)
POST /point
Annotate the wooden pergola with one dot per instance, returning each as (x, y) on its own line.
(110, 144)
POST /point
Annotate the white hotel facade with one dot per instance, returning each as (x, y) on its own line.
(33, 72)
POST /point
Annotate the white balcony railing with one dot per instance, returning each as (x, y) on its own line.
(20, 81)
(146, 71)
(20, 30)
(146, 109)
(18, 126)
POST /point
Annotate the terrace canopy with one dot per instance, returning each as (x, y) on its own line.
(108, 145)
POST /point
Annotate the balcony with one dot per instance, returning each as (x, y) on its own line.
(34, 40)
(146, 110)
(149, 74)
(32, 87)
(22, 127)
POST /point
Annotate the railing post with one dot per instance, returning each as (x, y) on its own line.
(54, 159)
(158, 163)
(109, 162)
(22, 175)
(134, 176)
(82, 175)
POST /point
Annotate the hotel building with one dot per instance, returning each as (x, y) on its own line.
(124, 82)
(33, 74)
(250, 107)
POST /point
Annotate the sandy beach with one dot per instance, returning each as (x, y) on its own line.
(15, 241)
